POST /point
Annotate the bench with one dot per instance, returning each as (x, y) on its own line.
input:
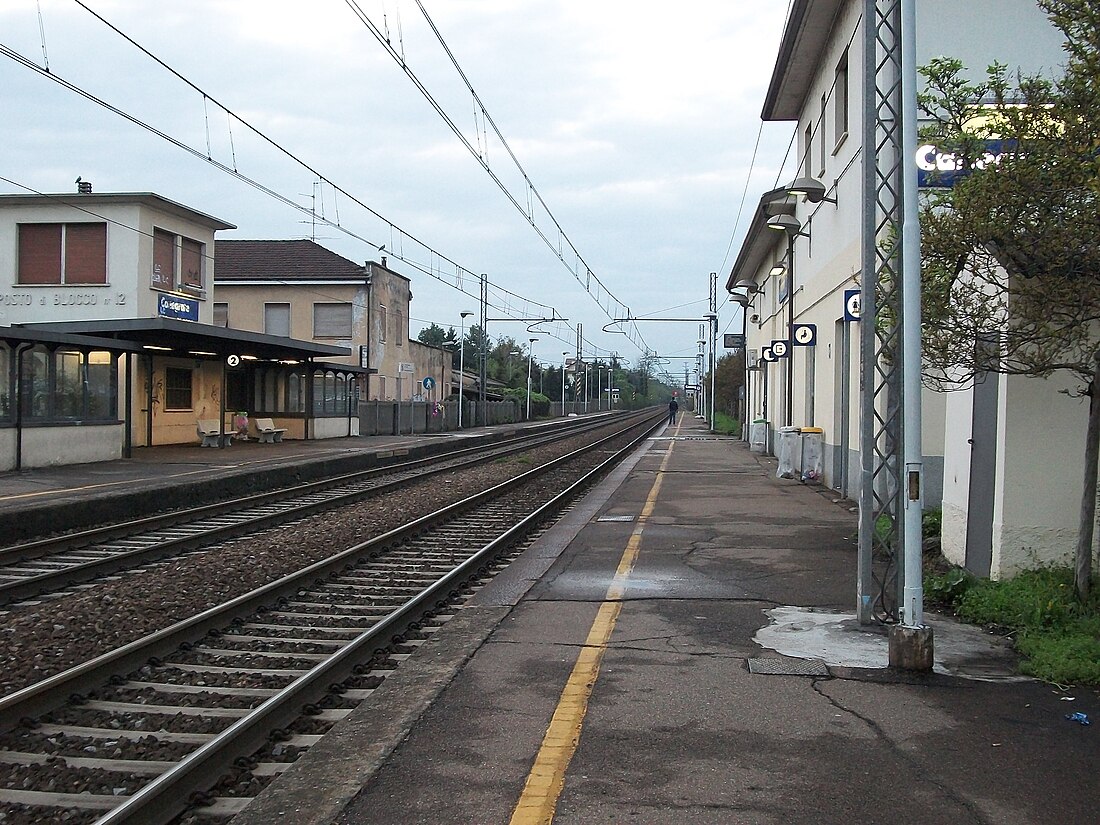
(268, 432)
(211, 433)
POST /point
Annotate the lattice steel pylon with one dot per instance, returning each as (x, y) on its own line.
(882, 488)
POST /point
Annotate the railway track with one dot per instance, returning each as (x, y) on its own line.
(228, 698)
(56, 564)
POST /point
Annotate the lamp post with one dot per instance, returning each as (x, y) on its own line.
(564, 355)
(712, 320)
(461, 361)
(530, 354)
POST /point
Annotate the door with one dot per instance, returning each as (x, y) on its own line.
(983, 471)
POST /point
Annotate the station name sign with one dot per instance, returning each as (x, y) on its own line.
(939, 169)
(173, 306)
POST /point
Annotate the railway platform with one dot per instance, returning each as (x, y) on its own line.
(74, 496)
(677, 650)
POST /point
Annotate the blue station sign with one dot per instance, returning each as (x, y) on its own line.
(173, 306)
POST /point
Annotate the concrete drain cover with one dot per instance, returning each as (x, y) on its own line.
(788, 667)
(615, 518)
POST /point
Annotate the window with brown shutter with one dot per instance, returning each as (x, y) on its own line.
(63, 253)
(191, 263)
(39, 253)
(86, 253)
(164, 260)
(332, 320)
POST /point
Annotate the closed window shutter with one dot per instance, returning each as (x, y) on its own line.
(40, 253)
(86, 253)
(164, 260)
(332, 320)
(277, 319)
(221, 315)
(191, 263)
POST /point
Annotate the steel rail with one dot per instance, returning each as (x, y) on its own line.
(247, 521)
(54, 691)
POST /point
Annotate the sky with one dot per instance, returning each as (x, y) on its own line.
(637, 124)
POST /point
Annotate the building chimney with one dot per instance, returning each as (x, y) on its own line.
(384, 262)
(83, 187)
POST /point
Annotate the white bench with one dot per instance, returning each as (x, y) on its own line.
(211, 433)
(268, 432)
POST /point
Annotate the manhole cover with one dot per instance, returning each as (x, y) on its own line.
(788, 667)
(615, 518)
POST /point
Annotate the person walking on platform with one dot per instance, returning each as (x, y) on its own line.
(673, 408)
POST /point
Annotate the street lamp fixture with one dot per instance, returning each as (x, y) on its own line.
(564, 356)
(748, 284)
(811, 189)
(777, 270)
(530, 354)
(787, 223)
(461, 360)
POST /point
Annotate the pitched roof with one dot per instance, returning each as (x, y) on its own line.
(281, 261)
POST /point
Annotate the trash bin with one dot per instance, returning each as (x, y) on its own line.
(812, 449)
(786, 447)
(758, 436)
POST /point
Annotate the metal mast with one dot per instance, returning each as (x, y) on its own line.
(883, 491)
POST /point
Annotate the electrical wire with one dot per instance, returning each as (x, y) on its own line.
(481, 154)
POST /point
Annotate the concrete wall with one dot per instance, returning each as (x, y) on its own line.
(55, 445)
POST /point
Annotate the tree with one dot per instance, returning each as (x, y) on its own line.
(1011, 253)
(434, 336)
(728, 379)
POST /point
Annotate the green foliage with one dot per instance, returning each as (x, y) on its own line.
(931, 523)
(1058, 635)
(726, 424)
(945, 590)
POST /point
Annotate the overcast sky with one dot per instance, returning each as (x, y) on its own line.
(635, 120)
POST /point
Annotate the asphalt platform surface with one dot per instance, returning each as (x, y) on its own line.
(678, 649)
(569, 692)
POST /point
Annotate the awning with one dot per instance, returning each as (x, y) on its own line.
(185, 338)
(22, 335)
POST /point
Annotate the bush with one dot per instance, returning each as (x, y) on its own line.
(726, 424)
(1059, 636)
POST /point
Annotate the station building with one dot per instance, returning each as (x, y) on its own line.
(302, 290)
(1008, 497)
(107, 339)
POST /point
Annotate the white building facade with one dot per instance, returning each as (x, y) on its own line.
(818, 84)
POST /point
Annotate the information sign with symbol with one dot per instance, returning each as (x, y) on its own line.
(233, 360)
(780, 349)
(804, 335)
(851, 304)
(767, 355)
(428, 382)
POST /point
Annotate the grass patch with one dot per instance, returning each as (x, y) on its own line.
(1058, 636)
(726, 424)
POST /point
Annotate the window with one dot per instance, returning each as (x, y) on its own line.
(402, 331)
(383, 321)
(821, 151)
(277, 319)
(177, 388)
(164, 260)
(191, 263)
(221, 315)
(62, 253)
(5, 384)
(840, 100)
(332, 320)
(66, 385)
(809, 147)
(330, 395)
(177, 262)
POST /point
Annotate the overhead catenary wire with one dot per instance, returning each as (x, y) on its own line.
(395, 251)
(481, 154)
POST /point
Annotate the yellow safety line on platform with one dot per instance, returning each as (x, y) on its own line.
(544, 784)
